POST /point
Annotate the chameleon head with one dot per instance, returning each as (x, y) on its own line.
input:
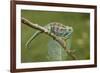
(69, 29)
(68, 32)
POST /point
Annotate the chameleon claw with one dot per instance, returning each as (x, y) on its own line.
(71, 51)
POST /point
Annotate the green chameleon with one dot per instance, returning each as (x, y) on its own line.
(56, 28)
(55, 52)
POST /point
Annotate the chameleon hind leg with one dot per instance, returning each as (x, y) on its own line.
(31, 38)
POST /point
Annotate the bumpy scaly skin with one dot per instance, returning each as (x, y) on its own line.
(59, 29)
(56, 28)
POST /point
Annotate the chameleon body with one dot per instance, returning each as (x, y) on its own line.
(56, 28)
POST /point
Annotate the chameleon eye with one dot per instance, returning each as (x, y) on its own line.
(69, 29)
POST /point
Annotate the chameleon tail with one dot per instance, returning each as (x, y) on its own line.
(31, 38)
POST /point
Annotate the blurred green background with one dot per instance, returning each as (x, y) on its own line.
(39, 46)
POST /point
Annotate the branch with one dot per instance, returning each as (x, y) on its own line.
(58, 39)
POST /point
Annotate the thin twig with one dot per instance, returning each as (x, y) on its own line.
(58, 39)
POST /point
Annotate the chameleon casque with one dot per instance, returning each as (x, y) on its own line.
(57, 29)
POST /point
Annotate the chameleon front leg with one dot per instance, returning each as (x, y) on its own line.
(31, 38)
(67, 40)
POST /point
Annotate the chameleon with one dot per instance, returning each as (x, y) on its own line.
(56, 28)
